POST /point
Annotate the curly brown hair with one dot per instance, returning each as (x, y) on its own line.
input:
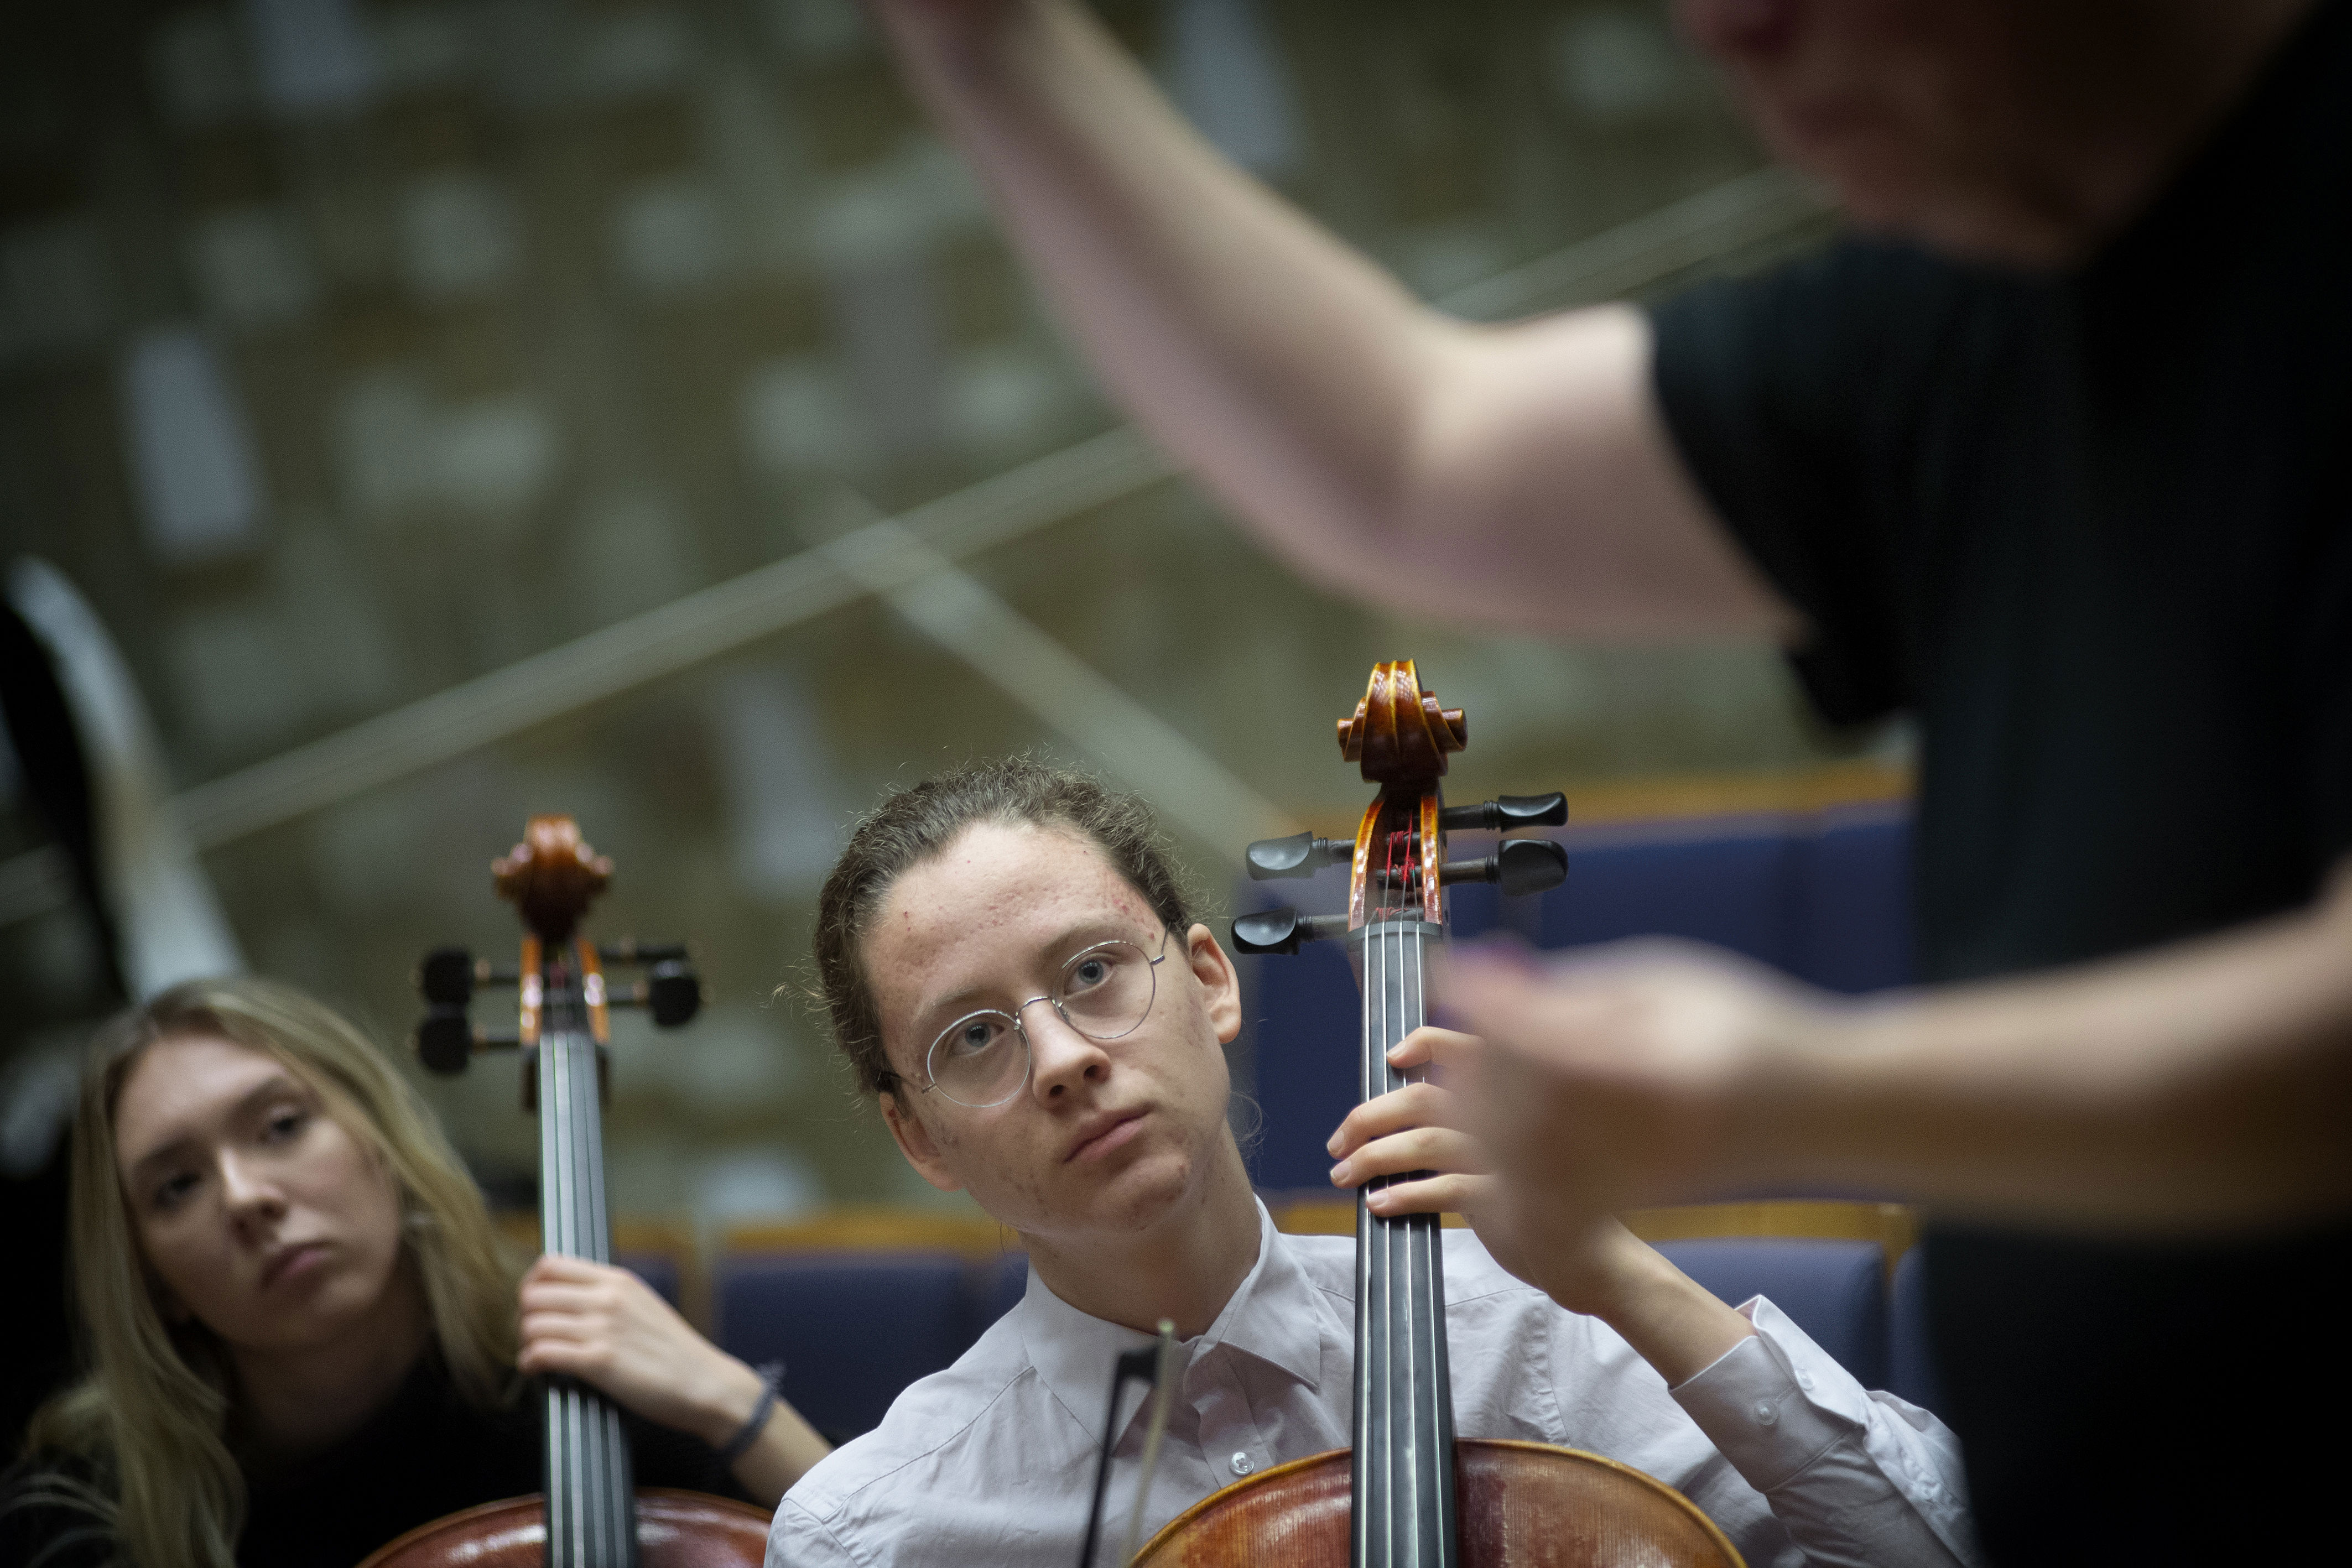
(913, 824)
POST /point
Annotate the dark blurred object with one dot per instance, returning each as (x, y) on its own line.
(49, 759)
(49, 756)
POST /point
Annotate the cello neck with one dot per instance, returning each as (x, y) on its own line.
(1404, 1512)
(590, 1491)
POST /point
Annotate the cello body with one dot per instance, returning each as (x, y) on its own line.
(675, 1530)
(1407, 1493)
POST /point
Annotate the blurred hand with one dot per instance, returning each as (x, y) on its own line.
(1624, 1076)
(606, 1326)
(1585, 1263)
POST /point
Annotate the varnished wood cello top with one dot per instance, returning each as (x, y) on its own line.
(675, 1530)
(1524, 1505)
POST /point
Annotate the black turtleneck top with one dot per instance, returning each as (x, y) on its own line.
(426, 1454)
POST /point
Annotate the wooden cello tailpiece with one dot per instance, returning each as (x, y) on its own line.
(1406, 1494)
(590, 1514)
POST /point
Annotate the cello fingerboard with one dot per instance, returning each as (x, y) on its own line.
(1404, 1512)
(591, 1489)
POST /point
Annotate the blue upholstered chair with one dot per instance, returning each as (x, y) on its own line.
(1834, 1291)
(852, 1329)
(997, 1287)
(1910, 1356)
(1733, 890)
(1851, 905)
(1824, 897)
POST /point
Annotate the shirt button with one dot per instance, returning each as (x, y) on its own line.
(1767, 1413)
(1805, 1381)
(1242, 1464)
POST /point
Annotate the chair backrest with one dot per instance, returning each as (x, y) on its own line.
(852, 1329)
(1910, 1354)
(1823, 895)
(1736, 891)
(997, 1287)
(1834, 1291)
(1852, 905)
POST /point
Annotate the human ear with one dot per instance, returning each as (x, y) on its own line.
(1221, 986)
(914, 1141)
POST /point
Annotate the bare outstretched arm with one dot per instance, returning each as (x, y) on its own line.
(2200, 1087)
(1516, 475)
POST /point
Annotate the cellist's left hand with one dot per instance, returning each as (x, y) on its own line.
(606, 1326)
(1586, 1263)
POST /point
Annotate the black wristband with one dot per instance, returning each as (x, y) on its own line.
(749, 1433)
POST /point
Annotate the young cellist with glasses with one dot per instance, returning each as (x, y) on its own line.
(1010, 964)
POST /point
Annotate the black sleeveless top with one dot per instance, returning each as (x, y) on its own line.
(426, 1454)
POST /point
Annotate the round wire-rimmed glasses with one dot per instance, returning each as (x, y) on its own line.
(1105, 993)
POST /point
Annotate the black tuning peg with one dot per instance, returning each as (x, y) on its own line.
(446, 978)
(673, 993)
(448, 974)
(1283, 930)
(670, 991)
(447, 1040)
(1519, 866)
(1505, 812)
(1301, 855)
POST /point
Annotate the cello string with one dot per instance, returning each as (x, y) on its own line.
(599, 1470)
(1386, 1457)
(1439, 1398)
(561, 1491)
(583, 1522)
(596, 1456)
(1364, 1487)
(1398, 1454)
(614, 1495)
(1382, 1542)
(1413, 1450)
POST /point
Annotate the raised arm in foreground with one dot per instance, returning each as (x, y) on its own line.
(1520, 476)
(2198, 1087)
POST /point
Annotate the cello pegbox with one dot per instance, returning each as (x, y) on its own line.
(1301, 855)
(1398, 731)
(551, 877)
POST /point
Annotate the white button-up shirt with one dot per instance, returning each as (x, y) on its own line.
(993, 1460)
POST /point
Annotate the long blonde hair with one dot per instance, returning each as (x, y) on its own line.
(150, 1417)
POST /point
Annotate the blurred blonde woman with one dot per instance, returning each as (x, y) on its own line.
(301, 1335)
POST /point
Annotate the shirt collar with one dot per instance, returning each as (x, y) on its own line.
(1273, 1315)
